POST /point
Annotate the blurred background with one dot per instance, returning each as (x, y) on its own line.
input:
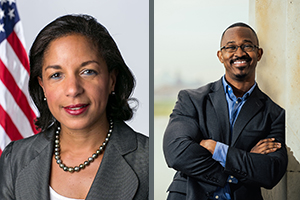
(187, 38)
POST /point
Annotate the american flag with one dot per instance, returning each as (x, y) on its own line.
(17, 110)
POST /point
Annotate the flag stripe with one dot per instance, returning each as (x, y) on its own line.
(18, 95)
(19, 50)
(10, 106)
(21, 76)
(17, 110)
(4, 139)
(9, 126)
(19, 32)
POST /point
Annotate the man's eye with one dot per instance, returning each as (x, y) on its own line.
(248, 46)
(230, 47)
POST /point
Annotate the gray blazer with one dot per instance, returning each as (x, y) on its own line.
(123, 173)
(203, 114)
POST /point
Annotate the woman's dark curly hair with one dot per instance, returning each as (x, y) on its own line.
(117, 106)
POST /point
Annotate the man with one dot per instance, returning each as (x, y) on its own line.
(227, 139)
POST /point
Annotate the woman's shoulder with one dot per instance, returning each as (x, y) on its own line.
(22, 151)
(125, 133)
(21, 145)
(134, 147)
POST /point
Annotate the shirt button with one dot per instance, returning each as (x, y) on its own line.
(229, 89)
(231, 177)
(236, 102)
(216, 197)
(230, 181)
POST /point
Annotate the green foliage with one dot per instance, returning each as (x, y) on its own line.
(163, 108)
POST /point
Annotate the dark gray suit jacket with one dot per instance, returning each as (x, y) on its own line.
(203, 114)
(123, 173)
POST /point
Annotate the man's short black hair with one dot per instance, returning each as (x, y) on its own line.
(240, 24)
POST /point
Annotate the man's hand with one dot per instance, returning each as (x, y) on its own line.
(209, 145)
(266, 146)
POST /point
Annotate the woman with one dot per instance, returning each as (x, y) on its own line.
(81, 86)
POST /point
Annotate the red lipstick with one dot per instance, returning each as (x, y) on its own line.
(76, 109)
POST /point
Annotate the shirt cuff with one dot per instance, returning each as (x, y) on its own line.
(220, 153)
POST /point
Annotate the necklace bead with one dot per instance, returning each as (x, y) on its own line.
(85, 163)
(70, 169)
(81, 166)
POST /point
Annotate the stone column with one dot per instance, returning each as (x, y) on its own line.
(277, 23)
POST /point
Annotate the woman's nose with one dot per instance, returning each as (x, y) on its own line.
(73, 86)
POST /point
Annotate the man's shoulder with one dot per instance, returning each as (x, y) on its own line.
(270, 105)
(203, 90)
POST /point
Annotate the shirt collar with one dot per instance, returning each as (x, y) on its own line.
(228, 90)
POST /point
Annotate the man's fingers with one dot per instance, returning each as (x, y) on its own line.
(271, 147)
(270, 151)
(265, 141)
(278, 144)
(272, 144)
(266, 146)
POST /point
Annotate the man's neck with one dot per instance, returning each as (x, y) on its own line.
(240, 87)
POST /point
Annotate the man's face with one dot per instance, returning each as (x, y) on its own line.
(239, 65)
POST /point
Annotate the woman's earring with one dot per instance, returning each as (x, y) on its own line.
(113, 93)
(45, 99)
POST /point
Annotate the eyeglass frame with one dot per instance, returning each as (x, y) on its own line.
(237, 46)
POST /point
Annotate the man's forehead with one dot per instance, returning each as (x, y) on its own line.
(238, 32)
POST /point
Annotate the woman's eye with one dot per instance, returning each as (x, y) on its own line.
(89, 72)
(55, 76)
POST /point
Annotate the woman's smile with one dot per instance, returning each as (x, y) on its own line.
(76, 82)
(76, 109)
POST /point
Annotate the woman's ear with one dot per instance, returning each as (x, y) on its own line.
(113, 79)
(41, 84)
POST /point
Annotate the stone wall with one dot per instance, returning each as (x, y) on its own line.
(277, 23)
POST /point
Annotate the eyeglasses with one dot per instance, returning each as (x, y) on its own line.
(244, 47)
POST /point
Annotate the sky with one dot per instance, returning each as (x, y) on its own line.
(187, 38)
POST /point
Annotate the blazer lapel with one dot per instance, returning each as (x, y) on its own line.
(248, 111)
(33, 181)
(114, 170)
(219, 103)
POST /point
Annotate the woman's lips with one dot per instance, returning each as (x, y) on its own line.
(76, 109)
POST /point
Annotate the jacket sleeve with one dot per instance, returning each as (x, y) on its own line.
(6, 180)
(182, 148)
(258, 169)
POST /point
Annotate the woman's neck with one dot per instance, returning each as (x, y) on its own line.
(87, 139)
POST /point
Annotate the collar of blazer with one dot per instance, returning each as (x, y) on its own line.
(115, 178)
(250, 108)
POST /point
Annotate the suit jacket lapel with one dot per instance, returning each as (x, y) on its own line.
(219, 103)
(248, 111)
(33, 181)
(114, 170)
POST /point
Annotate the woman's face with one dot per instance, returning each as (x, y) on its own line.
(76, 82)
